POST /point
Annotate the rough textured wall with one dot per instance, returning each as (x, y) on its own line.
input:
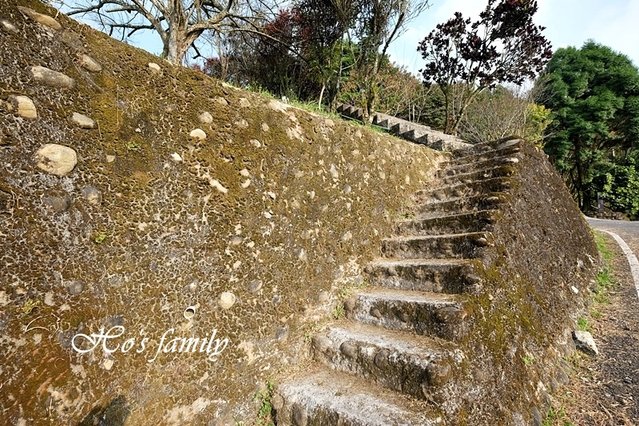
(250, 227)
(536, 278)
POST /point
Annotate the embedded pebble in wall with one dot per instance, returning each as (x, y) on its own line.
(198, 134)
(92, 195)
(110, 158)
(255, 286)
(83, 121)
(244, 103)
(265, 127)
(89, 64)
(155, 68)
(8, 26)
(56, 159)
(26, 107)
(52, 78)
(242, 124)
(45, 20)
(220, 100)
(57, 204)
(226, 300)
(206, 118)
(334, 172)
(74, 287)
(235, 241)
(176, 158)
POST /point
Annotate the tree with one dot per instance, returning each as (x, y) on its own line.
(594, 95)
(501, 112)
(464, 58)
(378, 24)
(179, 23)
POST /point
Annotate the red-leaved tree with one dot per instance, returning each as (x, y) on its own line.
(465, 58)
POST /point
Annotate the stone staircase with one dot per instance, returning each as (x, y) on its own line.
(407, 130)
(395, 358)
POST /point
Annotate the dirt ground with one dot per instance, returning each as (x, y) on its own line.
(604, 390)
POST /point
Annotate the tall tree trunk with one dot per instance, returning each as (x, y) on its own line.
(321, 96)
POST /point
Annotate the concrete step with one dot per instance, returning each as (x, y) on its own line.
(475, 203)
(431, 275)
(465, 157)
(427, 314)
(324, 398)
(411, 135)
(487, 163)
(410, 364)
(479, 174)
(484, 147)
(400, 128)
(463, 189)
(457, 246)
(474, 221)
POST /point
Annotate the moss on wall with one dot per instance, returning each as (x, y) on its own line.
(536, 278)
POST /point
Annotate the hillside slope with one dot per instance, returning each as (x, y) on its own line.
(129, 220)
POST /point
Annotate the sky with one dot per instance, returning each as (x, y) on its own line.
(614, 23)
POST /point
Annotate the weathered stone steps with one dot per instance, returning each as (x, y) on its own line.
(480, 174)
(430, 275)
(465, 245)
(414, 365)
(460, 205)
(463, 189)
(335, 398)
(486, 147)
(487, 163)
(480, 156)
(427, 314)
(474, 221)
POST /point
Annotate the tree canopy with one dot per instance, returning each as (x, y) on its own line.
(594, 95)
(464, 57)
(179, 23)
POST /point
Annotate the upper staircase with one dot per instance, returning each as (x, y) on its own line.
(407, 130)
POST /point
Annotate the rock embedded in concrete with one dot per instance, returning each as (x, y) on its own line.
(83, 121)
(255, 286)
(226, 300)
(585, 342)
(206, 118)
(221, 101)
(198, 134)
(155, 68)
(40, 18)
(52, 78)
(244, 103)
(8, 26)
(88, 63)
(92, 195)
(25, 107)
(241, 124)
(74, 287)
(58, 204)
(56, 159)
